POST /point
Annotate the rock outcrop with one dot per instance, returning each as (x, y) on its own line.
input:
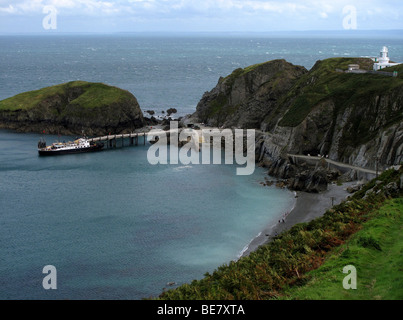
(247, 96)
(71, 108)
(356, 119)
(351, 118)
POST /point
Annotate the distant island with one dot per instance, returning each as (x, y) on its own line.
(71, 108)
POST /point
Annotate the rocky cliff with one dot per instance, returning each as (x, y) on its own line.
(247, 96)
(71, 108)
(356, 119)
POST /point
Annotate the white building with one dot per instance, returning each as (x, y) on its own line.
(383, 61)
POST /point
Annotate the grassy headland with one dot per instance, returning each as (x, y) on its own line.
(71, 107)
(322, 110)
(306, 262)
(85, 94)
(325, 83)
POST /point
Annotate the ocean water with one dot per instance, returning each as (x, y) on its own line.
(114, 226)
(164, 72)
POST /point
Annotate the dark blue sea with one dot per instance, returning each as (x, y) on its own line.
(114, 226)
(165, 71)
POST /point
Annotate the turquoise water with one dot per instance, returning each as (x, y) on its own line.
(116, 227)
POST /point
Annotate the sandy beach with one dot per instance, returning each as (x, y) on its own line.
(308, 206)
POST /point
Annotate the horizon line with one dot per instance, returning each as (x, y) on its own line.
(56, 32)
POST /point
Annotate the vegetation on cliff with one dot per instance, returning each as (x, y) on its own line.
(324, 83)
(376, 253)
(72, 107)
(309, 88)
(307, 261)
(353, 118)
(246, 96)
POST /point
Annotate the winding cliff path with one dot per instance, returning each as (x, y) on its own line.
(336, 163)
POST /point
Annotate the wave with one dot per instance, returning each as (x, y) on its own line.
(246, 248)
(182, 168)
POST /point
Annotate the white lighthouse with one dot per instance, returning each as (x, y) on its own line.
(383, 61)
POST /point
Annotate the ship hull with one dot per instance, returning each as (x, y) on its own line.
(94, 148)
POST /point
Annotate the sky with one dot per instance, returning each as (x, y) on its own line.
(108, 16)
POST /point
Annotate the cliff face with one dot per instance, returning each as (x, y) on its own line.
(352, 118)
(71, 108)
(356, 119)
(246, 96)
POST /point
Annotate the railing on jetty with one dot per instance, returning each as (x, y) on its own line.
(111, 140)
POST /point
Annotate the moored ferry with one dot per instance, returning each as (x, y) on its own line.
(81, 145)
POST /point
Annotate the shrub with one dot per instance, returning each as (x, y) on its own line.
(369, 242)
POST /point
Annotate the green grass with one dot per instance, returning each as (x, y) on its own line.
(323, 83)
(28, 100)
(240, 72)
(305, 262)
(93, 95)
(253, 67)
(376, 252)
(99, 94)
(219, 108)
(398, 68)
(237, 73)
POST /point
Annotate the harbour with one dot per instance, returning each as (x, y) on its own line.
(116, 227)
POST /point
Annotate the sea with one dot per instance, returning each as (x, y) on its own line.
(112, 225)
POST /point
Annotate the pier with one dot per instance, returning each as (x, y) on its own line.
(111, 141)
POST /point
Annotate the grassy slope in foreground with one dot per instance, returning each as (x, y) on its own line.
(93, 95)
(376, 252)
(285, 263)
